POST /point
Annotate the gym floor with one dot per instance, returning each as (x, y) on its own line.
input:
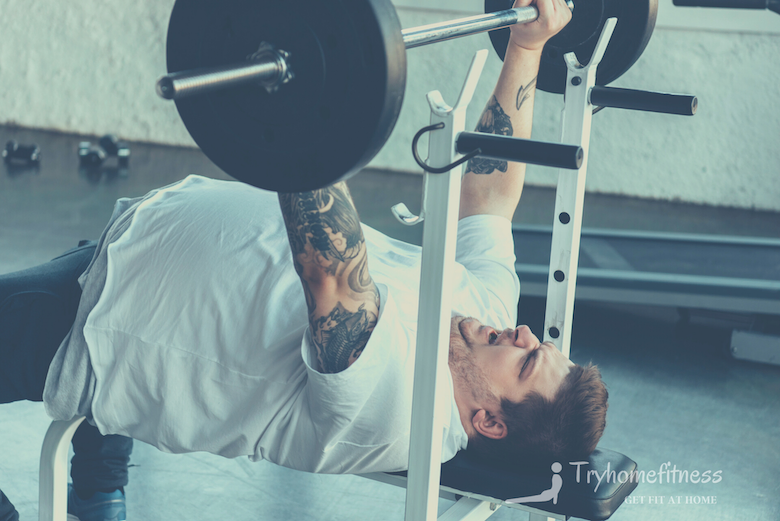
(677, 397)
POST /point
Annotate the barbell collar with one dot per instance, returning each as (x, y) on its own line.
(270, 68)
(507, 148)
(680, 104)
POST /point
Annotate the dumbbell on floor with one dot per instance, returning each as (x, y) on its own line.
(19, 153)
(93, 156)
(90, 156)
(115, 148)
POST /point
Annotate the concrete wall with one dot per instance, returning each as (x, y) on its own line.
(89, 67)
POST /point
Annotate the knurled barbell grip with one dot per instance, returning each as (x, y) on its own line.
(272, 69)
(680, 104)
(443, 31)
(507, 148)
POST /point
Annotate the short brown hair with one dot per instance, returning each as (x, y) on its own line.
(541, 431)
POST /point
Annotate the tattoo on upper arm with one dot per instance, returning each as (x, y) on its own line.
(524, 93)
(341, 336)
(493, 121)
(328, 221)
(325, 236)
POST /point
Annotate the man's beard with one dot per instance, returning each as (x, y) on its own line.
(464, 369)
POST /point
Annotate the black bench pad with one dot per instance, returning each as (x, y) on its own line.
(592, 500)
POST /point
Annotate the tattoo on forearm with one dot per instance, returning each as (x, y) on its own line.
(493, 121)
(326, 237)
(524, 93)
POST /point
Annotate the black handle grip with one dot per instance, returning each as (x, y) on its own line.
(681, 104)
(734, 4)
(509, 148)
(772, 5)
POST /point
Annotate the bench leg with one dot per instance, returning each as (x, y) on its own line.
(469, 509)
(539, 517)
(53, 475)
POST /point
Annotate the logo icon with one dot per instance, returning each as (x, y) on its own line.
(547, 495)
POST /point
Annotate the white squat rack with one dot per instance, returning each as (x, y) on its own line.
(441, 200)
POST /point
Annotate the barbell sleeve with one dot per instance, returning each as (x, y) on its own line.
(272, 69)
(680, 104)
(268, 67)
(199, 81)
(507, 148)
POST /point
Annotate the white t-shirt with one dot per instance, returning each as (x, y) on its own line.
(199, 340)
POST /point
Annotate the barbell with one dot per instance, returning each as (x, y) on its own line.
(293, 96)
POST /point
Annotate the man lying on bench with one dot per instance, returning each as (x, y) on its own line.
(192, 330)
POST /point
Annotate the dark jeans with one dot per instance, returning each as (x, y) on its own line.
(37, 309)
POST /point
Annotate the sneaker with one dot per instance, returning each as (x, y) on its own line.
(100, 507)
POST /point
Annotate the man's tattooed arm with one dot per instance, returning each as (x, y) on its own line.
(493, 121)
(524, 94)
(490, 186)
(330, 257)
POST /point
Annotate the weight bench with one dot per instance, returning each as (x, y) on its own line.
(580, 496)
(476, 487)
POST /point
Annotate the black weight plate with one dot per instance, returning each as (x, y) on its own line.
(349, 62)
(636, 22)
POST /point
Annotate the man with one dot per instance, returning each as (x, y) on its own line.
(195, 332)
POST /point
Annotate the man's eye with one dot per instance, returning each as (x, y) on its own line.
(492, 337)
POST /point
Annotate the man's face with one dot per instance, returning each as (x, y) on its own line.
(512, 363)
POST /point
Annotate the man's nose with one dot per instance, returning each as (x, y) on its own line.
(524, 337)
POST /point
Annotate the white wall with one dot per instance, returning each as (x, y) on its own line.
(89, 66)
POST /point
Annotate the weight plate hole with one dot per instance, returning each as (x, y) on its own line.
(564, 218)
(559, 276)
(554, 333)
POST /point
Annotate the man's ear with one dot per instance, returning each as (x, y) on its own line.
(489, 425)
